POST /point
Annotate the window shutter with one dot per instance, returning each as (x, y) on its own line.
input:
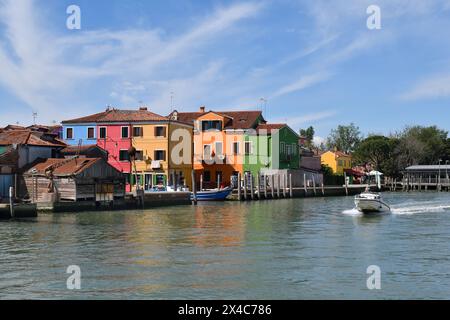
(164, 155)
(164, 132)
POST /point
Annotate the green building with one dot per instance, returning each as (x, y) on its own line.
(271, 146)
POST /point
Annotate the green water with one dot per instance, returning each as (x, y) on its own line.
(287, 249)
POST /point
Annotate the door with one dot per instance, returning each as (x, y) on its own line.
(148, 179)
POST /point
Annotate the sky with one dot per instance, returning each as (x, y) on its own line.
(301, 62)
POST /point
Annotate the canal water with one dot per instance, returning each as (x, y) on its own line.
(316, 248)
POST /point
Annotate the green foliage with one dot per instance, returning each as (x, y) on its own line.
(344, 138)
(309, 135)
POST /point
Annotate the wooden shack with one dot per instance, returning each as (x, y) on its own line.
(75, 179)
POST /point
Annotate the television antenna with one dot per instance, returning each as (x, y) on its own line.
(171, 101)
(263, 104)
(34, 117)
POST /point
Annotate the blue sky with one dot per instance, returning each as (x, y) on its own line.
(315, 62)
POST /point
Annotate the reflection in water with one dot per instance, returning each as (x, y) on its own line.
(291, 249)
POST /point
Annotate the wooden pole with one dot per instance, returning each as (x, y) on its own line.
(291, 193)
(314, 184)
(265, 186)
(239, 186)
(284, 185)
(11, 201)
(278, 185)
(272, 181)
(194, 191)
(218, 182)
(304, 185)
(252, 194)
(345, 180)
(174, 183)
(245, 186)
(201, 182)
(258, 177)
(323, 189)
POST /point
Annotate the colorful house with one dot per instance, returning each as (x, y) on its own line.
(338, 161)
(149, 136)
(219, 142)
(271, 146)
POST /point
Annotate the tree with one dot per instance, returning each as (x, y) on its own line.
(309, 135)
(378, 151)
(344, 138)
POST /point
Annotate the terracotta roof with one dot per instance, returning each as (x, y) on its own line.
(61, 167)
(74, 149)
(116, 115)
(28, 137)
(239, 119)
(13, 127)
(270, 126)
(341, 154)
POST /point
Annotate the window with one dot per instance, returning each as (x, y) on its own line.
(125, 132)
(138, 132)
(160, 131)
(207, 176)
(219, 148)
(282, 150)
(206, 151)
(340, 164)
(159, 179)
(235, 147)
(102, 132)
(288, 149)
(160, 155)
(91, 133)
(123, 155)
(69, 133)
(248, 147)
(211, 125)
(139, 155)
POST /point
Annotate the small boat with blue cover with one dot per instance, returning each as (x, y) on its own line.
(213, 195)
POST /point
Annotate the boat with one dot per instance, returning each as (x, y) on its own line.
(212, 195)
(369, 202)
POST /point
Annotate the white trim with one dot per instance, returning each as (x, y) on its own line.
(215, 147)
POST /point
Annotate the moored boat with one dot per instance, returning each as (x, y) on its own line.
(213, 195)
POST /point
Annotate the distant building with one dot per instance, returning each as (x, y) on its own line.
(74, 179)
(338, 161)
(147, 134)
(19, 148)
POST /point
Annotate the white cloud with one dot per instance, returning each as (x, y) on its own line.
(434, 87)
(301, 84)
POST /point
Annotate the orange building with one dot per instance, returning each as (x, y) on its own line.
(219, 142)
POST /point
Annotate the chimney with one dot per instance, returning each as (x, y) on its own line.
(142, 108)
(202, 109)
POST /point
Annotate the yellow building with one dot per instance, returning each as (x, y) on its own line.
(160, 157)
(337, 161)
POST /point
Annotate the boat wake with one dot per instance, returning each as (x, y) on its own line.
(422, 208)
(352, 212)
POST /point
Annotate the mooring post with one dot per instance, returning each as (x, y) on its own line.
(304, 185)
(194, 191)
(291, 193)
(265, 186)
(201, 182)
(323, 189)
(239, 186)
(272, 181)
(218, 182)
(174, 183)
(245, 186)
(278, 186)
(346, 186)
(258, 178)
(252, 194)
(11, 201)
(314, 184)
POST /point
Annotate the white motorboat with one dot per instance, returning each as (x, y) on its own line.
(368, 202)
